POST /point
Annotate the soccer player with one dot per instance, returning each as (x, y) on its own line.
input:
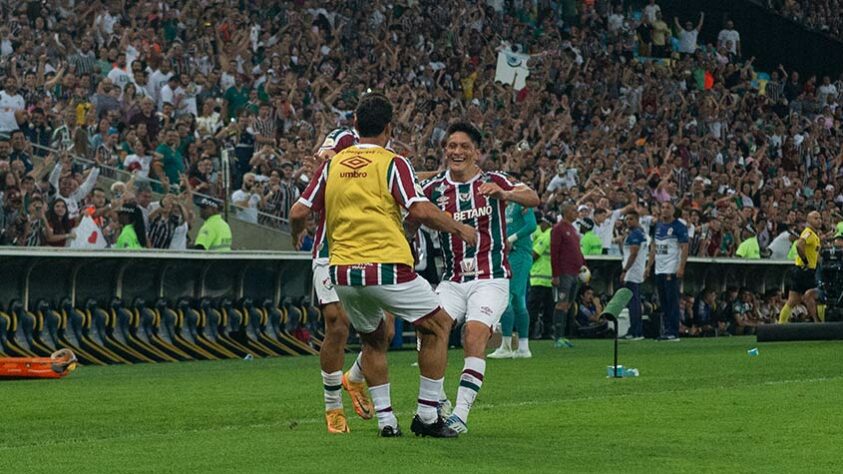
(362, 191)
(475, 285)
(635, 252)
(520, 225)
(670, 253)
(801, 278)
(332, 352)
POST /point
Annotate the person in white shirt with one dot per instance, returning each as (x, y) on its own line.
(729, 38)
(120, 74)
(171, 93)
(248, 198)
(635, 252)
(688, 35)
(158, 78)
(139, 161)
(615, 21)
(780, 246)
(11, 105)
(826, 90)
(650, 11)
(70, 191)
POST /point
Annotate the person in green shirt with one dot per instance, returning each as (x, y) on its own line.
(590, 243)
(520, 224)
(540, 301)
(215, 234)
(133, 234)
(236, 98)
(749, 248)
(171, 159)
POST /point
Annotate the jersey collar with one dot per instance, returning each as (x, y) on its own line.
(455, 183)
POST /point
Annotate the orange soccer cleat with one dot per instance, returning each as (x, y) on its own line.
(336, 421)
(359, 397)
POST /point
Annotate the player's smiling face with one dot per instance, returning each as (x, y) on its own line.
(461, 153)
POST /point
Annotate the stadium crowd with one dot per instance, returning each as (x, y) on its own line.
(161, 90)
(821, 15)
(621, 109)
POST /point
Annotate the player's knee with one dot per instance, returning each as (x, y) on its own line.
(438, 324)
(376, 339)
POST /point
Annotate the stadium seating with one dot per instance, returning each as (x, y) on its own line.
(112, 332)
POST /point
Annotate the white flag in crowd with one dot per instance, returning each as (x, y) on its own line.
(512, 67)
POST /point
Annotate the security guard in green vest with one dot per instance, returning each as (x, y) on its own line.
(540, 301)
(215, 234)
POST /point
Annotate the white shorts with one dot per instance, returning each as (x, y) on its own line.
(411, 301)
(325, 291)
(483, 301)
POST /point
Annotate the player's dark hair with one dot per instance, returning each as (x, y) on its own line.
(374, 113)
(468, 129)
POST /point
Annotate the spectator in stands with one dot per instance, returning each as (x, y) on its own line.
(68, 188)
(688, 35)
(59, 225)
(729, 38)
(248, 198)
(12, 106)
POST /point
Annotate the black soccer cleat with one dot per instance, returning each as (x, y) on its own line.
(390, 432)
(437, 429)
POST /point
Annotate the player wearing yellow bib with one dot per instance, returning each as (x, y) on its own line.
(362, 191)
(801, 278)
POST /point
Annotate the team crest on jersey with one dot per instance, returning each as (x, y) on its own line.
(441, 188)
(670, 231)
(468, 266)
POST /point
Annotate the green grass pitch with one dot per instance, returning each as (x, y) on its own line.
(698, 406)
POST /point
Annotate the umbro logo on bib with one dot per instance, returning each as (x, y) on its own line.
(356, 162)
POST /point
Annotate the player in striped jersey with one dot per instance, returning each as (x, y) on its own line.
(475, 286)
(363, 191)
(332, 352)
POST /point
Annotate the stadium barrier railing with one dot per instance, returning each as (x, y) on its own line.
(264, 219)
(717, 273)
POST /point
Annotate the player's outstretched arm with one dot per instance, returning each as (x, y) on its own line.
(431, 216)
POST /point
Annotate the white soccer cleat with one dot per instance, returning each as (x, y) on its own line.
(456, 424)
(519, 354)
(444, 409)
(501, 353)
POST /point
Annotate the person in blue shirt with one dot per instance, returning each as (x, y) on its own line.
(635, 251)
(669, 254)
